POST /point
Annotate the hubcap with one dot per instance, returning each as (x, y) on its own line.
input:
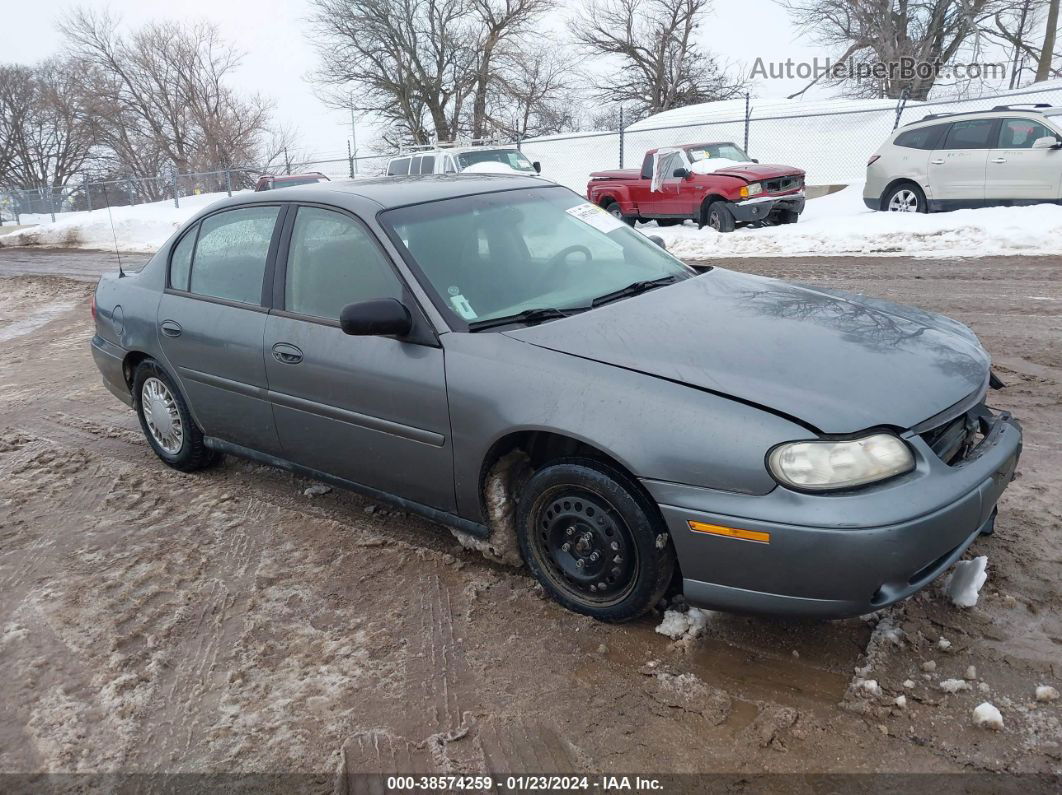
(904, 201)
(586, 547)
(161, 415)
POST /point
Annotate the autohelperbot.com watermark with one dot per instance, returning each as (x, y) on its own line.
(901, 69)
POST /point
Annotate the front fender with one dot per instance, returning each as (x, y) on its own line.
(655, 428)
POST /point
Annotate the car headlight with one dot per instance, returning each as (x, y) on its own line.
(826, 465)
(751, 189)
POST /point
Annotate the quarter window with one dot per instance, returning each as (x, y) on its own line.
(1020, 133)
(181, 260)
(973, 134)
(333, 261)
(230, 256)
(427, 164)
(923, 138)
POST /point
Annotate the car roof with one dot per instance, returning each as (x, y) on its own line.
(995, 113)
(690, 146)
(388, 192)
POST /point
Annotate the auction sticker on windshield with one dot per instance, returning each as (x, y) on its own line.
(596, 217)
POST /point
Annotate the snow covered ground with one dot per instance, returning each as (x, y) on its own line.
(141, 227)
(840, 224)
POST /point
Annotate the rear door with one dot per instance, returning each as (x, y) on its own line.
(1016, 171)
(371, 410)
(957, 169)
(212, 319)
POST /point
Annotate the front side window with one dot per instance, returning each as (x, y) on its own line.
(974, 134)
(487, 257)
(333, 261)
(1020, 133)
(230, 256)
(398, 167)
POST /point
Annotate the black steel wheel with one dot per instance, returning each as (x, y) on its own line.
(593, 540)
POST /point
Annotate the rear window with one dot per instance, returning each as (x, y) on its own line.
(399, 167)
(923, 138)
(973, 134)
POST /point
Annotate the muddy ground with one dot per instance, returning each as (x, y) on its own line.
(225, 621)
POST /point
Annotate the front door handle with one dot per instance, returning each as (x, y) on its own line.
(286, 353)
(1000, 160)
(936, 162)
(171, 328)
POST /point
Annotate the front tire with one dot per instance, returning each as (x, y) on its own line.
(905, 198)
(719, 217)
(591, 538)
(166, 421)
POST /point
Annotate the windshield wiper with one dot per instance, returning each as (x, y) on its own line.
(528, 316)
(634, 288)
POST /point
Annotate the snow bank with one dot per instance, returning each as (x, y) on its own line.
(141, 227)
(840, 225)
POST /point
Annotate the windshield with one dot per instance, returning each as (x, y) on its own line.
(513, 158)
(496, 254)
(726, 151)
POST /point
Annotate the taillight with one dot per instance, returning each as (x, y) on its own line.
(92, 306)
(873, 159)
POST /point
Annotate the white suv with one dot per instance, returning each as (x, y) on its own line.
(1006, 156)
(455, 159)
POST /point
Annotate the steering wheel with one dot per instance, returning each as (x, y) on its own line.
(558, 263)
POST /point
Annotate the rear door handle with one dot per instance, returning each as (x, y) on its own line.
(286, 353)
(171, 328)
(936, 162)
(1000, 160)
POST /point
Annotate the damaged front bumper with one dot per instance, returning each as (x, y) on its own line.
(760, 207)
(841, 554)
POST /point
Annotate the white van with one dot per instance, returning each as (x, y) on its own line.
(456, 159)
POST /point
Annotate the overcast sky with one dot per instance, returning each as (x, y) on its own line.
(274, 34)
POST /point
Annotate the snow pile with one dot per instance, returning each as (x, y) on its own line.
(987, 716)
(688, 624)
(141, 227)
(966, 580)
(954, 685)
(1046, 694)
(840, 224)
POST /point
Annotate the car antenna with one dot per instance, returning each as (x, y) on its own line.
(114, 234)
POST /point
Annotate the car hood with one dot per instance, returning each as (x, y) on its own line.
(757, 171)
(838, 362)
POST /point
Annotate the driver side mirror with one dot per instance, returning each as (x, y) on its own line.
(537, 166)
(383, 317)
(1048, 142)
(754, 160)
(680, 173)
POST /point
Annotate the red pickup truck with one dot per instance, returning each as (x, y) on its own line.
(714, 184)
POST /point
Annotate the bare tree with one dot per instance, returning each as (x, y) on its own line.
(46, 135)
(534, 94)
(888, 31)
(161, 95)
(658, 63)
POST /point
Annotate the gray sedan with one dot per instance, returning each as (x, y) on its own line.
(496, 354)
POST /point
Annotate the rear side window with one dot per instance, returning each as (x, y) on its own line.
(181, 260)
(973, 134)
(230, 256)
(334, 261)
(398, 167)
(1020, 133)
(427, 164)
(923, 138)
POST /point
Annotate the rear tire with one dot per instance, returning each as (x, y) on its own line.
(668, 221)
(614, 209)
(166, 421)
(906, 197)
(593, 540)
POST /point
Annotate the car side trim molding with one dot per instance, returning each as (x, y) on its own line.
(239, 387)
(354, 418)
(432, 514)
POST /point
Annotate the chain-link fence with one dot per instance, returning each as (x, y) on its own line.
(831, 140)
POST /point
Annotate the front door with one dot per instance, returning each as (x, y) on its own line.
(1016, 171)
(957, 169)
(371, 410)
(211, 321)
